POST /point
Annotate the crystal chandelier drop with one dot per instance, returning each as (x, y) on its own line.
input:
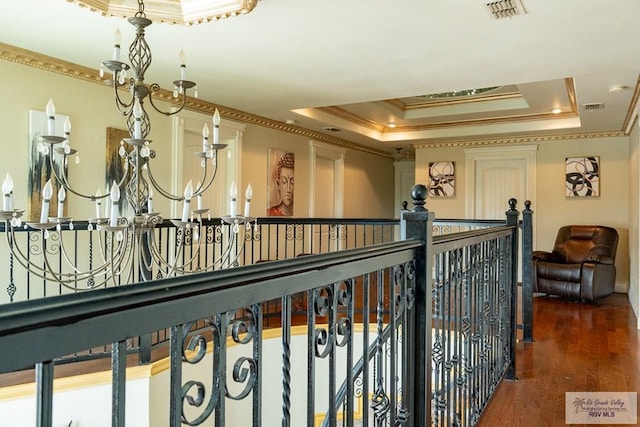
(129, 241)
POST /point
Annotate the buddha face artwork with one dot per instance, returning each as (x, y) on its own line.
(280, 183)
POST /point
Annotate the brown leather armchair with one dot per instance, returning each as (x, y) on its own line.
(581, 264)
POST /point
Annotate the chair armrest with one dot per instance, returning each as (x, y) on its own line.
(598, 259)
(545, 256)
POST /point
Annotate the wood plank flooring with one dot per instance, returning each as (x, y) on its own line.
(577, 347)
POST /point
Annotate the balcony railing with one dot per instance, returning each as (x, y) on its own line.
(414, 332)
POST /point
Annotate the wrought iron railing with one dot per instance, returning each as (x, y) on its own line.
(457, 291)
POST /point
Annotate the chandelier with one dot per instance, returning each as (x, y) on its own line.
(129, 241)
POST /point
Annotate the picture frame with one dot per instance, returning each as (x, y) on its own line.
(582, 176)
(442, 179)
(280, 182)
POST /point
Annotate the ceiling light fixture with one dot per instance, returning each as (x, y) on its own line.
(616, 89)
(556, 110)
(184, 12)
(391, 125)
(129, 243)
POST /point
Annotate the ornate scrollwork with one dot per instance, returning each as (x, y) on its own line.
(193, 393)
(290, 232)
(247, 376)
(245, 371)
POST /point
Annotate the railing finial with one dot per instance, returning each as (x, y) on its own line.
(419, 194)
(512, 204)
(527, 205)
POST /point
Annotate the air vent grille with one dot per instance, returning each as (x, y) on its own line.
(505, 8)
(593, 106)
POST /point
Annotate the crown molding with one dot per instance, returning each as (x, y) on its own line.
(69, 69)
(519, 140)
(632, 112)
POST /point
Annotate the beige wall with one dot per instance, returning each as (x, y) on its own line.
(368, 178)
(552, 208)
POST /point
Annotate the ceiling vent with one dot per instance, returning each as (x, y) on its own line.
(593, 106)
(505, 8)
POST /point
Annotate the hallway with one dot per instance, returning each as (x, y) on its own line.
(577, 347)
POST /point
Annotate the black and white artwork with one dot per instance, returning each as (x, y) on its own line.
(442, 182)
(582, 176)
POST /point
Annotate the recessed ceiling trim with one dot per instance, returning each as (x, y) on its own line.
(486, 106)
(352, 118)
(571, 93)
(345, 115)
(455, 101)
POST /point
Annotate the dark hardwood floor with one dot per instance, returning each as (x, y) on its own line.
(578, 347)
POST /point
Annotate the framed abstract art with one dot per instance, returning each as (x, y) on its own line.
(582, 176)
(442, 179)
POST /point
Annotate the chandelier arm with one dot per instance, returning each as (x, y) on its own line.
(78, 274)
(164, 263)
(193, 258)
(83, 274)
(240, 251)
(64, 181)
(124, 261)
(117, 266)
(225, 261)
(147, 260)
(224, 255)
(155, 87)
(43, 273)
(102, 244)
(203, 188)
(157, 186)
(124, 108)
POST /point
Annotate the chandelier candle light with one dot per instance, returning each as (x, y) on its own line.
(133, 237)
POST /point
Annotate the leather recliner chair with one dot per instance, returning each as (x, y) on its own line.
(581, 264)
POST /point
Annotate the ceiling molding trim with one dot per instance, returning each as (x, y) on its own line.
(519, 140)
(632, 112)
(571, 93)
(350, 117)
(48, 63)
(486, 121)
(368, 124)
(69, 69)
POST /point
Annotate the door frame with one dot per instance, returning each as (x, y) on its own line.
(516, 152)
(336, 154)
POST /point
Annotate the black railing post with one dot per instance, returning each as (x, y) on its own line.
(418, 224)
(527, 272)
(512, 220)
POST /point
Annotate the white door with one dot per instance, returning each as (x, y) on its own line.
(497, 181)
(494, 175)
